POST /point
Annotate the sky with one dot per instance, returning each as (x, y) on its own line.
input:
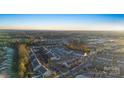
(108, 22)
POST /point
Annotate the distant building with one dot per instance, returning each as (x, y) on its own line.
(112, 71)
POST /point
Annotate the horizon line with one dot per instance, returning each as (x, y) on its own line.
(64, 30)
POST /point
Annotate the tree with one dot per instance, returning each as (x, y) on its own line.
(23, 60)
(22, 69)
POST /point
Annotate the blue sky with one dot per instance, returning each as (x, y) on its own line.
(63, 21)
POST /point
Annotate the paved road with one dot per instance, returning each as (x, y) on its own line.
(40, 64)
